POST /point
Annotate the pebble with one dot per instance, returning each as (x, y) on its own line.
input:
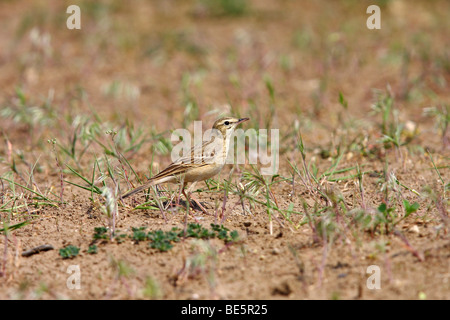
(276, 251)
(414, 229)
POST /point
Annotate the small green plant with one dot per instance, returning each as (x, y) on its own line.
(139, 234)
(28, 113)
(119, 237)
(152, 289)
(93, 249)
(69, 252)
(226, 7)
(195, 230)
(442, 118)
(224, 234)
(162, 240)
(392, 129)
(386, 214)
(100, 233)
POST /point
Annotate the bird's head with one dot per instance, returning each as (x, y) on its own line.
(227, 125)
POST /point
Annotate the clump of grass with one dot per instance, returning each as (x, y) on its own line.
(392, 129)
(152, 289)
(254, 182)
(123, 272)
(32, 115)
(442, 120)
(201, 262)
(21, 200)
(257, 190)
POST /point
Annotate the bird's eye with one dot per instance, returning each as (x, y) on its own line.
(226, 123)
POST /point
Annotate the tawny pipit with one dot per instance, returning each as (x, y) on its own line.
(204, 161)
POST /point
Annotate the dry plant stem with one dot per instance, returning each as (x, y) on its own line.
(243, 205)
(324, 258)
(17, 245)
(361, 188)
(182, 186)
(127, 286)
(442, 211)
(293, 184)
(61, 176)
(216, 212)
(112, 220)
(119, 158)
(188, 207)
(409, 246)
(113, 227)
(5, 255)
(3, 192)
(222, 215)
(160, 206)
(311, 225)
(387, 263)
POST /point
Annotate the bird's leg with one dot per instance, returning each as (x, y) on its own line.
(187, 207)
(182, 186)
(189, 192)
(189, 198)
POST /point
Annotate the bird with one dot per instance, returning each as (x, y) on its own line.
(204, 162)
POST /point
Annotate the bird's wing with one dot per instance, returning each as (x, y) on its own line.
(200, 154)
(177, 168)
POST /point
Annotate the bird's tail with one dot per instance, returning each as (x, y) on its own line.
(139, 189)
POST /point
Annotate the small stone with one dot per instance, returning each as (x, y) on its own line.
(414, 229)
(195, 296)
(276, 251)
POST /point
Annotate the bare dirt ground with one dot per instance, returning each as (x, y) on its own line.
(148, 68)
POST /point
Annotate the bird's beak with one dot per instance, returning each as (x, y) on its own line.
(242, 120)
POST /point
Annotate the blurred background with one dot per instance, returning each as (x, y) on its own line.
(160, 65)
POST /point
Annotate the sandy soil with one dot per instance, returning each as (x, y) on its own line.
(165, 54)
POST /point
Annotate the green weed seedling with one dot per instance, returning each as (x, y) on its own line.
(225, 234)
(409, 208)
(162, 240)
(69, 252)
(119, 237)
(100, 233)
(231, 8)
(139, 234)
(93, 249)
(195, 230)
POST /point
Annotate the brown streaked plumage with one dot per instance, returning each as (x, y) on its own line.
(204, 162)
